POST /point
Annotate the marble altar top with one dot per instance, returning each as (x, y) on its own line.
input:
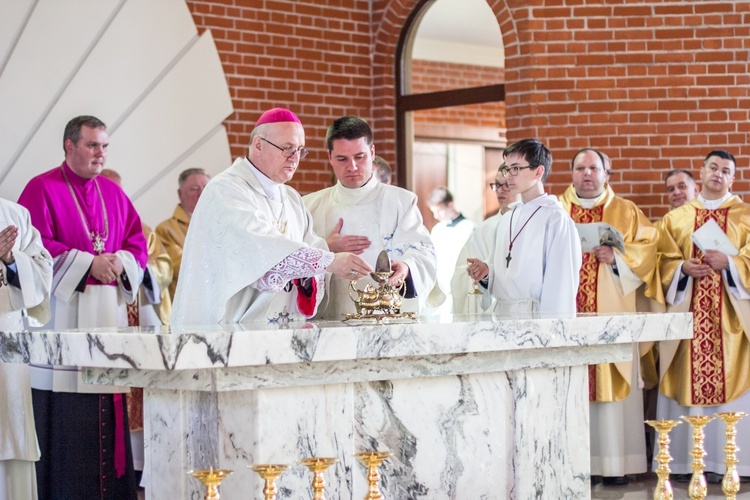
(247, 345)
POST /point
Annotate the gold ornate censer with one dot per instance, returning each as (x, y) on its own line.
(730, 485)
(381, 302)
(269, 473)
(318, 466)
(211, 479)
(372, 460)
(698, 489)
(663, 487)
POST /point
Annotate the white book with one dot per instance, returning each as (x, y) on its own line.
(710, 237)
(600, 233)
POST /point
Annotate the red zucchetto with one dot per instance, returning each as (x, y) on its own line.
(277, 115)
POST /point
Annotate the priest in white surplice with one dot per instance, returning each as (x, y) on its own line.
(25, 282)
(359, 214)
(535, 257)
(250, 253)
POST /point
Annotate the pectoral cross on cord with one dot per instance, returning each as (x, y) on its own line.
(513, 238)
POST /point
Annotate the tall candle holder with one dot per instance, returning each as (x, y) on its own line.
(730, 485)
(372, 461)
(698, 489)
(211, 478)
(663, 487)
(318, 466)
(269, 473)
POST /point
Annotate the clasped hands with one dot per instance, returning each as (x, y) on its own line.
(7, 240)
(106, 267)
(714, 261)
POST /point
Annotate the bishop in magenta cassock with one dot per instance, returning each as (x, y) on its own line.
(94, 234)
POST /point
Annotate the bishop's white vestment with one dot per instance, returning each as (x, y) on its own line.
(389, 217)
(33, 268)
(249, 239)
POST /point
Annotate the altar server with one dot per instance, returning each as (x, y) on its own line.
(93, 232)
(25, 282)
(611, 282)
(708, 373)
(360, 214)
(532, 267)
(251, 254)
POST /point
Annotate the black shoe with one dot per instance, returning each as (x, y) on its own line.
(714, 478)
(615, 481)
(680, 478)
(744, 479)
(596, 480)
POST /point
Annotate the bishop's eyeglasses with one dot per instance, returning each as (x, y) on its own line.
(495, 186)
(288, 152)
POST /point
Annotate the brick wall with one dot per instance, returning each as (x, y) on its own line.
(655, 84)
(433, 76)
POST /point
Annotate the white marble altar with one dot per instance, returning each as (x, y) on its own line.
(480, 407)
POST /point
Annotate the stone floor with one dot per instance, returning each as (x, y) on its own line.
(643, 489)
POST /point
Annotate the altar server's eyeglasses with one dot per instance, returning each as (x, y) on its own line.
(288, 152)
(513, 170)
(495, 186)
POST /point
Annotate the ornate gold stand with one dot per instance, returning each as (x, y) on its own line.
(475, 299)
(663, 487)
(372, 461)
(730, 485)
(269, 473)
(318, 466)
(698, 489)
(211, 479)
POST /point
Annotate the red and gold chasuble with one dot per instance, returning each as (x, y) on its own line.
(706, 347)
(712, 368)
(586, 299)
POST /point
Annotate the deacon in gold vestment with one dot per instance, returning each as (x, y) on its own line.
(610, 282)
(172, 231)
(711, 372)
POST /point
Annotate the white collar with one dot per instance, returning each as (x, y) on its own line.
(347, 195)
(714, 204)
(270, 187)
(589, 203)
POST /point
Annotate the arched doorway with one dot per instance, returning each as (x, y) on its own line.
(450, 94)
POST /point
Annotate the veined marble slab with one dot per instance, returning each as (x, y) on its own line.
(271, 344)
(470, 407)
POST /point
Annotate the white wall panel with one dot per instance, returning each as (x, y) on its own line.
(159, 200)
(12, 19)
(131, 57)
(180, 111)
(58, 35)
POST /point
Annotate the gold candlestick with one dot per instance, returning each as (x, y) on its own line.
(730, 485)
(318, 466)
(269, 473)
(698, 489)
(211, 479)
(372, 461)
(663, 487)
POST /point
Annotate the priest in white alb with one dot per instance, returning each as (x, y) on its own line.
(250, 253)
(360, 214)
(25, 282)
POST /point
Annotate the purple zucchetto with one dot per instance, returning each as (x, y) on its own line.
(277, 115)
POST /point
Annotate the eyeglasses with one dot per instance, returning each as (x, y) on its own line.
(496, 186)
(288, 152)
(513, 170)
